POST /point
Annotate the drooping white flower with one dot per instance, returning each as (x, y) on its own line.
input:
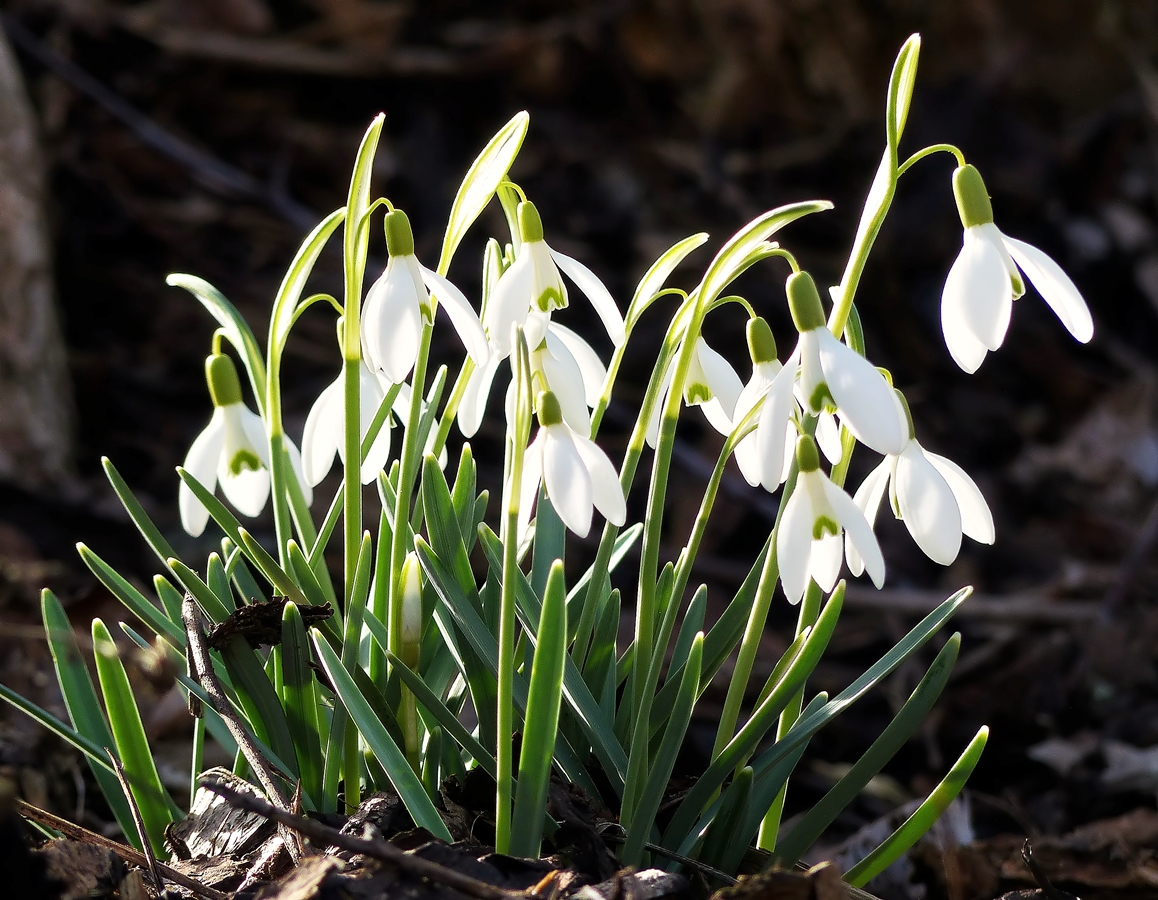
(932, 495)
(762, 455)
(533, 284)
(577, 474)
(808, 539)
(986, 278)
(712, 385)
(398, 302)
(233, 449)
(325, 426)
(835, 378)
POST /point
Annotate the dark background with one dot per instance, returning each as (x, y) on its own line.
(651, 121)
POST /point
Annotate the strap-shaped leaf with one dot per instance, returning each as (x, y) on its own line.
(150, 532)
(218, 582)
(655, 278)
(259, 700)
(133, 600)
(300, 700)
(463, 493)
(442, 524)
(206, 597)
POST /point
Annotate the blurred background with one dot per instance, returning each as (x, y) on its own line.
(140, 139)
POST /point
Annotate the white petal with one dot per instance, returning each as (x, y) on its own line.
(927, 506)
(606, 492)
(594, 372)
(763, 374)
(794, 545)
(866, 401)
(828, 437)
(370, 397)
(747, 455)
(474, 398)
(722, 378)
(462, 315)
(509, 303)
(254, 428)
(976, 519)
(868, 500)
(247, 489)
(588, 282)
(392, 321)
(824, 564)
(565, 379)
(773, 447)
(201, 463)
(985, 288)
(964, 346)
(548, 291)
(1055, 287)
(852, 520)
(811, 371)
(568, 484)
(323, 433)
(529, 488)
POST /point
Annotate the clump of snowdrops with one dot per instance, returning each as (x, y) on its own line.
(450, 609)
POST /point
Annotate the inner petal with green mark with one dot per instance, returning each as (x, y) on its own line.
(244, 459)
(822, 526)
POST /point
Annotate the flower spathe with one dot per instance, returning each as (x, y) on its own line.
(808, 538)
(986, 278)
(399, 301)
(577, 474)
(232, 449)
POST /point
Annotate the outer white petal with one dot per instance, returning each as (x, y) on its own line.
(461, 313)
(568, 484)
(1055, 287)
(565, 379)
(247, 491)
(323, 433)
(201, 462)
(772, 445)
(594, 372)
(828, 437)
(370, 397)
(722, 378)
(868, 501)
(588, 282)
(794, 545)
(857, 529)
(474, 398)
(546, 276)
(763, 374)
(811, 371)
(509, 304)
(606, 492)
(392, 320)
(254, 429)
(964, 346)
(987, 289)
(824, 564)
(529, 488)
(295, 459)
(976, 519)
(656, 419)
(866, 401)
(928, 507)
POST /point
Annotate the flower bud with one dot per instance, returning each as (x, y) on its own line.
(807, 456)
(410, 639)
(221, 375)
(761, 343)
(399, 236)
(972, 199)
(549, 411)
(530, 225)
(804, 302)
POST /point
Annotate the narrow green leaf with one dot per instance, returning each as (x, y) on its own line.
(129, 735)
(442, 524)
(692, 623)
(301, 702)
(218, 582)
(720, 845)
(654, 280)
(404, 779)
(901, 83)
(462, 495)
(270, 569)
(260, 702)
(550, 542)
(285, 305)
(170, 598)
(150, 532)
(133, 600)
(238, 572)
(205, 596)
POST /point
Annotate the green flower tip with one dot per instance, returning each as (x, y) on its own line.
(908, 414)
(399, 236)
(547, 406)
(530, 225)
(807, 456)
(221, 375)
(804, 302)
(761, 344)
(972, 199)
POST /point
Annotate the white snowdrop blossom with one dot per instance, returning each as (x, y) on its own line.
(325, 426)
(712, 385)
(533, 284)
(808, 539)
(577, 474)
(763, 455)
(932, 495)
(986, 278)
(400, 300)
(233, 449)
(835, 378)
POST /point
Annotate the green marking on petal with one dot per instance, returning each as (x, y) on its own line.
(821, 399)
(822, 526)
(244, 459)
(551, 298)
(696, 393)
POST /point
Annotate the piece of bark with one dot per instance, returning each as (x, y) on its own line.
(36, 414)
(214, 827)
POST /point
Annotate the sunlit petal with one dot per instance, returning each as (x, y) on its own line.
(295, 459)
(828, 437)
(794, 544)
(965, 348)
(928, 507)
(462, 315)
(656, 419)
(866, 401)
(474, 398)
(323, 433)
(529, 488)
(976, 519)
(774, 448)
(568, 484)
(856, 527)
(824, 564)
(594, 372)
(201, 463)
(722, 378)
(595, 291)
(606, 492)
(987, 288)
(1055, 287)
(509, 304)
(868, 500)
(565, 379)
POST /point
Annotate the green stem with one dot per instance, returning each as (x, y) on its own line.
(929, 151)
(352, 471)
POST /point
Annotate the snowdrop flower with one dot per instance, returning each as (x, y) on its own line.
(764, 453)
(233, 449)
(399, 301)
(533, 284)
(985, 280)
(712, 385)
(808, 543)
(577, 474)
(325, 427)
(932, 495)
(835, 378)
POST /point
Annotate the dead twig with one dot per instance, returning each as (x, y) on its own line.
(322, 835)
(128, 854)
(138, 821)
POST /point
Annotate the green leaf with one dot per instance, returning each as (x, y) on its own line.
(170, 598)
(542, 719)
(243, 580)
(655, 278)
(277, 576)
(93, 751)
(462, 495)
(232, 324)
(150, 532)
(720, 845)
(477, 188)
(442, 524)
(133, 600)
(300, 700)
(129, 735)
(205, 596)
(285, 305)
(80, 700)
(921, 820)
(550, 542)
(260, 702)
(218, 582)
(404, 779)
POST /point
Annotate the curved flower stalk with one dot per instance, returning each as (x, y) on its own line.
(322, 437)
(233, 450)
(932, 495)
(808, 544)
(578, 475)
(712, 385)
(400, 300)
(835, 378)
(986, 278)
